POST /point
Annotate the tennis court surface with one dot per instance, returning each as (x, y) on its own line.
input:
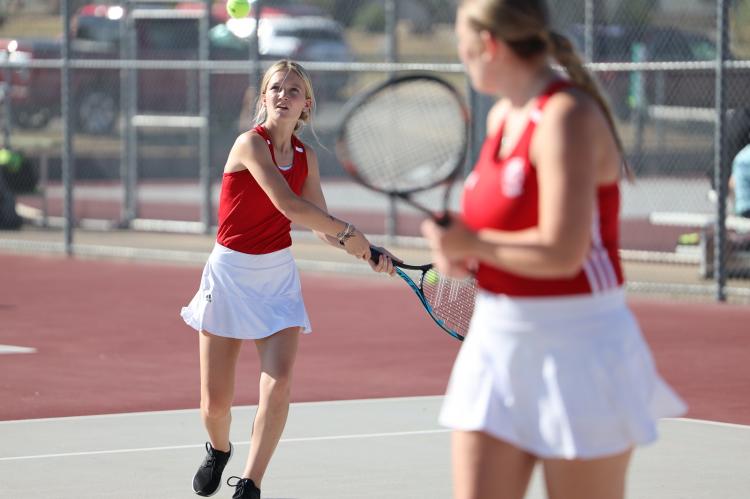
(99, 388)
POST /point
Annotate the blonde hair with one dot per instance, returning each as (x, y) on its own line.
(286, 65)
(524, 25)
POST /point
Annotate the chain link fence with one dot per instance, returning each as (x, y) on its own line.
(124, 118)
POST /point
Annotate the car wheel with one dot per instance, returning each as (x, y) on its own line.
(97, 112)
(32, 119)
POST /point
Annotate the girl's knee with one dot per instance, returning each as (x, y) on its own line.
(278, 385)
(215, 408)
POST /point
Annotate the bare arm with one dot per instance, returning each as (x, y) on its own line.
(565, 156)
(313, 193)
(569, 145)
(251, 151)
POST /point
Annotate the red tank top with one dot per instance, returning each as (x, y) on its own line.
(504, 195)
(248, 220)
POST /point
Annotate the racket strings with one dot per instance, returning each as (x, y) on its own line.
(411, 134)
(451, 300)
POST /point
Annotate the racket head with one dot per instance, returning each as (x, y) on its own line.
(448, 301)
(406, 134)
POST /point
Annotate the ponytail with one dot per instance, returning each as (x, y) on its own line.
(564, 53)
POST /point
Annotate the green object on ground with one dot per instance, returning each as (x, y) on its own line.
(689, 239)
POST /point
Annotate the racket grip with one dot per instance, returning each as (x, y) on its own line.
(374, 255)
(444, 220)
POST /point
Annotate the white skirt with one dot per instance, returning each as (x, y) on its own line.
(247, 296)
(568, 377)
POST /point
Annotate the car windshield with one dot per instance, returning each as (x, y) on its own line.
(100, 29)
(168, 34)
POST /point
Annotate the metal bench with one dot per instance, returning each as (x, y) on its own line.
(738, 261)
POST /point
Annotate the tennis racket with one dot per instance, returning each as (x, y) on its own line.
(448, 301)
(406, 135)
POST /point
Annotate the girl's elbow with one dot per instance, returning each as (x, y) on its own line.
(290, 207)
(563, 259)
(285, 210)
(570, 264)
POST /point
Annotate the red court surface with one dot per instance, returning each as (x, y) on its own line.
(109, 339)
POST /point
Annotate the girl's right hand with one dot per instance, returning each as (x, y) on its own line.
(358, 246)
(384, 263)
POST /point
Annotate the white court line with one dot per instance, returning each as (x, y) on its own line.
(303, 439)
(6, 349)
(712, 423)
(285, 440)
(236, 407)
(246, 442)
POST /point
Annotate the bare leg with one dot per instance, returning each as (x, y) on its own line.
(277, 354)
(484, 466)
(602, 478)
(218, 358)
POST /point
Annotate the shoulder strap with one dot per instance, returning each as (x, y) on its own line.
(552, 89)
(261, 130)
(536, 113)
(297, 144)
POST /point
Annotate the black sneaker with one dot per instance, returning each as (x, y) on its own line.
(207, 479)
(244, 488)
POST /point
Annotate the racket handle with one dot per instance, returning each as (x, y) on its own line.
(444, 220)
(374, 255)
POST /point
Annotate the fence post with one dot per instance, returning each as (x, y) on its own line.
(7, 90)
(660, 93)
(592, 10)
(722, 25)
(204, 89)
(127, 213)
(637, 101)
(391, 55)
(68, 165)
(256, 72)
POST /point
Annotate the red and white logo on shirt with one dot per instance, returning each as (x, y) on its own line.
(511, 182)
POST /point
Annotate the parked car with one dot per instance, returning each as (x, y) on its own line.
(303, 39)
(219, 12)
(95, 93)
(614, 43)
(673, 87)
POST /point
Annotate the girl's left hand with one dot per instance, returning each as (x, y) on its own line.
(451, 245)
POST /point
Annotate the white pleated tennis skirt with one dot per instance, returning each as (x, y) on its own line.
(247, 296)
(567, 377)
